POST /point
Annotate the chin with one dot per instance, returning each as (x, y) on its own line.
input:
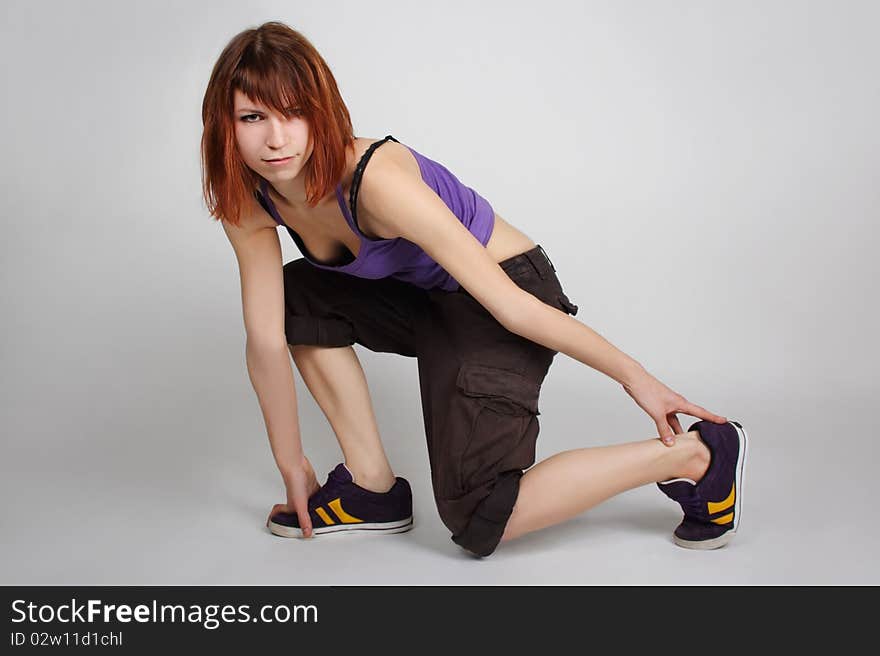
(285, 175)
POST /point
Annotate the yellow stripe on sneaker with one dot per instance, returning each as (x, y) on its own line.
(726, 519)
(718, 506)
(344, 517)
(323, 515)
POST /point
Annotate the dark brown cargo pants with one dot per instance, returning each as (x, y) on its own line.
(479, 382)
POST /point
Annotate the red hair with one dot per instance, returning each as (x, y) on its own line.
(274, 65)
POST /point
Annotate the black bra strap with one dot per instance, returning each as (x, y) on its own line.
(358, 173)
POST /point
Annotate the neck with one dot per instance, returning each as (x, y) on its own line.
(292, 191)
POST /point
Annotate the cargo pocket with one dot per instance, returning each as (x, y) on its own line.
(505, 427)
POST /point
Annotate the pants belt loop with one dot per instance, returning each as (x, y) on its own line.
(547, 257)
(536, 264)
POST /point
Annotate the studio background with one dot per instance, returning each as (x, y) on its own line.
(703, 176)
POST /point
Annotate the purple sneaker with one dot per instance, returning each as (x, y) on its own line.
(713, 506)
(340, 505)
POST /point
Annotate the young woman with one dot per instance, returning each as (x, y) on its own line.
(401, 257)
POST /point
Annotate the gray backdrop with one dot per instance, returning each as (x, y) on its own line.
(702, 174)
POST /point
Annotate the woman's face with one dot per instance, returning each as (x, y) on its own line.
(262, 135)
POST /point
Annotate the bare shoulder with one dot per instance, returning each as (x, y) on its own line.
(388, 164)
(389, 153)
(398, 153)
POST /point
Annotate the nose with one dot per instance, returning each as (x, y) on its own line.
(276, 138)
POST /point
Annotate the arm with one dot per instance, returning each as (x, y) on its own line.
(268, 361)
(405, 206)
(258, 252)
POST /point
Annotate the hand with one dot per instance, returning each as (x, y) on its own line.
(662, 404)
(301, 483)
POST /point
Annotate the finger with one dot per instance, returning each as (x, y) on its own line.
(305, 521)
(676, 425)
(665, 432)
(698, 411)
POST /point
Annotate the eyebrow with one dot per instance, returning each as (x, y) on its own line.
(259, 111)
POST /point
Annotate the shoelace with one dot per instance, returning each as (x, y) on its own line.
(328, 490)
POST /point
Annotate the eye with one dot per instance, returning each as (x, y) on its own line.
(291, 111)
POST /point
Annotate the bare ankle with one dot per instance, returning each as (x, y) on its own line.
(375, 481)
(698, 464)
(696, 459)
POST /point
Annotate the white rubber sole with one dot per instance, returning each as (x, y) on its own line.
(400, 526)
(714, 543)
(721, 540)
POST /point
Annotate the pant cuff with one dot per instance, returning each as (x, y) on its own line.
(318, 331)
(486, 526)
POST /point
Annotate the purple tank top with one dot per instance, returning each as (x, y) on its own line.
(400, 258)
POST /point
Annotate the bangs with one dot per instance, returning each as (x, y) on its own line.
(278, 87)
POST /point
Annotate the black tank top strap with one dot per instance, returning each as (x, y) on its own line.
(359, 172)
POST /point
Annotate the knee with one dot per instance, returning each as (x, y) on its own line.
(478, 518)
(307, 356)
(301, 353)
(481, 452)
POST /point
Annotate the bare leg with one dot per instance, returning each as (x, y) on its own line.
(336, 380)
(568, 483)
